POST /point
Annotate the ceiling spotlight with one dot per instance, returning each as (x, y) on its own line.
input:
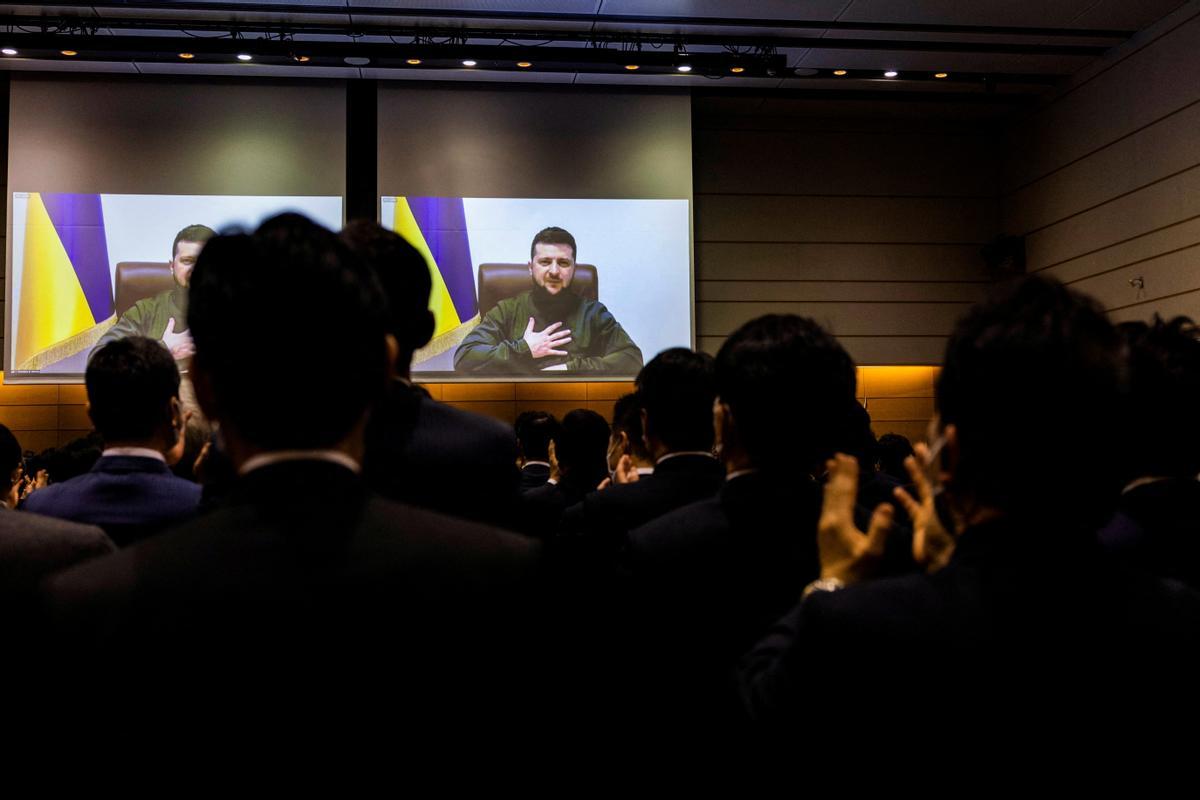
(187, 55)
(891, 73)
(941, 75)
(244, 57)
(69, 52)
(469, 63)
(737, 70)
(839, 72)
(413, 61)
(8, 51)
(632, 67)
(302, 59)
(684, 68)
(524, 64)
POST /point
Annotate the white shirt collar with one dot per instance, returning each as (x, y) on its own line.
(739, 473)
(136, 452)
(539, 463)
(279, 456)
(645, 470)
(684, 453)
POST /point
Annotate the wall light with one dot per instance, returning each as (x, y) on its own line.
(69, 52)
(632, 67)
(942, 75)
(891, 73)
(737, 70)
(244, 57)
(524, 64)
(413, 61)
(469, 63)
(8, 51)
(187, 55)
(839, 72)
(684, 68)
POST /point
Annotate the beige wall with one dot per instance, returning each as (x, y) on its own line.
(1104, 180)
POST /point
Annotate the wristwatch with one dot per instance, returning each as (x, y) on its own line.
(822, 585)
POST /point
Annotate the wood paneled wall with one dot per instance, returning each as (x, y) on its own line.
(870, 223)
(1104, 180)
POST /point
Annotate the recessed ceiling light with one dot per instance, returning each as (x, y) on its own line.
(8, 51)
(244, 56)
(839, 72)
(891, 73)
(632, 67)
(469, 63)
(684, 68)
(69, 52)
(524, 64)
(737, 69)
(942, 75)
(187, 55)
(413, 61)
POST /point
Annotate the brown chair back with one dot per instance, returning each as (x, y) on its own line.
(499, 281)
(137, 280)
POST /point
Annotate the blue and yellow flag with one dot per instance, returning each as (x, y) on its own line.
(66, 301)
(437, 227)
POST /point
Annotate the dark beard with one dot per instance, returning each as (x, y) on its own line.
(554, 307)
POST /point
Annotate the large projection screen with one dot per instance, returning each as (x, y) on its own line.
(471, 175)
(105, 171)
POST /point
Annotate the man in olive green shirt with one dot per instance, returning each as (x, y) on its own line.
(164, 316)
(549, 328)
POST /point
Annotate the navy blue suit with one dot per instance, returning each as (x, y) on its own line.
(130, 497)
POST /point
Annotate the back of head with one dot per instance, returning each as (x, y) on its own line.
(677, 389)
(1032, 378)
(581, 448)
(130, 383)
(402, 272)
(892, 450)
(285, 303)
(1164, 388)
(787, 382)
(10, 455)
(627, 419)
(535, 430)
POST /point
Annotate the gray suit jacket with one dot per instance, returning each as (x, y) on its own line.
(33, 546)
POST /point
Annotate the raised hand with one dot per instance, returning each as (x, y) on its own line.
(846, 553)
(932, 543)
(626, 471)
(180, 344)
(544, 343)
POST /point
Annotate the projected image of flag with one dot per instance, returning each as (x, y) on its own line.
(437, 227)
(66, 295)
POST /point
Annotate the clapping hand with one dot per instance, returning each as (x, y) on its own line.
(846, 553)
(544, 343)
(932, 543)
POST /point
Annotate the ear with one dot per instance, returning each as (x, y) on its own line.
(177, 415)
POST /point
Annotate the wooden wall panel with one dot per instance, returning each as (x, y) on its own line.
(864, 261)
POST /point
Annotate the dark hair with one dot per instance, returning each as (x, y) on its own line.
(10, 454)
(677, 388)
(1164, 395)
(288, 300)
(893, 449)
(856, 437)
(402, 272)
(785, 379)
(192, 233)
(553, 235)
(1031, 379)
(130, 383)
(627, 419)
(581, 449)
(534, 430)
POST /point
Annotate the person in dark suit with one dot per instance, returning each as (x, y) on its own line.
(708, 578)
(1155, 524)
(130, 492)
(420, 451)
(1026, 618)
(535, 430)
(578, 450)
(315, 588)
(676, 391)
(33, 546)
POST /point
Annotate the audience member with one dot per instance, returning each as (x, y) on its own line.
(317, 590)
(578, 465)
(130, 492)
(711, 576)
(58, 464)
(420, 451)
(1156, 524)
(535, 430)
(891, 453)
(627, 437)
(676, 390)
(1026, 616)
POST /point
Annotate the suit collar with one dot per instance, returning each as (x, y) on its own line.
(122, 465)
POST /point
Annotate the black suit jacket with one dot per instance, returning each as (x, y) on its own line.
(306, 582)
(534, 475)
(1156, 527)
(432, 455)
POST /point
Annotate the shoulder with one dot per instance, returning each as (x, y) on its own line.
(47, 497)
(484, 430)
(685, 526)
(43, 531)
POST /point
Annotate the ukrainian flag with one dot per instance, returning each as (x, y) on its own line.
(437, 227)
(66, 299)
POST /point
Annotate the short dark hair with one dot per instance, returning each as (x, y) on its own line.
(893, 448)
(535, 430)
(627, 419)
(192, 233)
(10, 454)
(1164, 394)
(290, 277)
(677, 388)
(130, 383)
(1031, 378)
(402, 272)
(553, 235)
(785, 379)
(581, 448)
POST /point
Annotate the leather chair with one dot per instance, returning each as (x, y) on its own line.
(137, 280)
(499, 281)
